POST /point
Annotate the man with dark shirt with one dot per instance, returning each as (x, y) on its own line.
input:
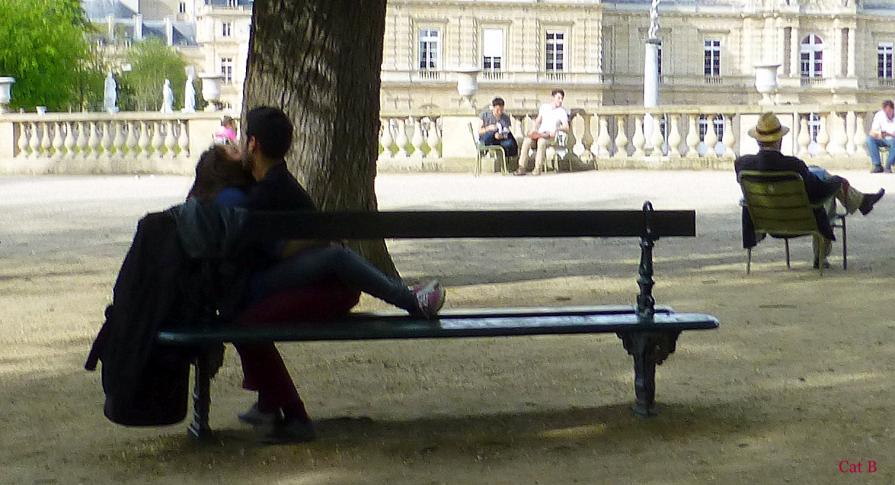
(287, 265)
(495, 128)
(819, 184)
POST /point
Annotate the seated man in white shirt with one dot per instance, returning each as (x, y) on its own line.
(552, 117)
(882, 134)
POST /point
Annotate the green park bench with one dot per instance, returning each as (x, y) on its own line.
(648, 332)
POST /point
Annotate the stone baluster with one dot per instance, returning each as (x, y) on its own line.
(34, 142)
(433, 139)
(658, 138)
(158, 142)
(526, 126)
(132, 140)
(145, 141)
(692, 137)
(23, 141)
(860, 137)
(603, 140)
(711, 138)
(57, 142)
(674, 137)
(576, 128)
(837, 134)
(849, 133)
(170, 140)
(93, 139)
(107, 140)
(729, 139)
(183, 140)
(804, 138)
(401, 138)
(119, 140)
(416, 140)
(638, 140)
(621, 140)
(823, 137)
(587, 138)
(70, 140)
(83, 140)
(46, 140)
(386, 139)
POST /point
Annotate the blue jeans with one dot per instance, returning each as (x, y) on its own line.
(312, 265)
(873, 146)
(510, 148)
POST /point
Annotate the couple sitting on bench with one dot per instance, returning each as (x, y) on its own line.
(552, 118)
(258, 180)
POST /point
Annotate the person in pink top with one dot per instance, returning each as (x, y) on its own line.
(226, 134)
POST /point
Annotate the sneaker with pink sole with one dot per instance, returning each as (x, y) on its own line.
(429, 297)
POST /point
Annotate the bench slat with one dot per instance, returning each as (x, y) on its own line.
(447, 327)
(267, 226)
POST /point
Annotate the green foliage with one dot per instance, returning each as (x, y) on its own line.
(43, 45)
(151, 63)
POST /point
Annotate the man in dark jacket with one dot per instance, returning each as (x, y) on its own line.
(819, 184)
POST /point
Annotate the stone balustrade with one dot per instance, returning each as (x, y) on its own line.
(633, 137)
(608, 137)
(108, 143)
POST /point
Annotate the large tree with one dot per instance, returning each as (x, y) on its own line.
(44, 45)
(319, 60)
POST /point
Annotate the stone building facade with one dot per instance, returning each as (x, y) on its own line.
(830, 51)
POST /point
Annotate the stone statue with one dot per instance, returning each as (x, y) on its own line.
(654, 20)
(167, 98)
(189, 95)
(110, 94)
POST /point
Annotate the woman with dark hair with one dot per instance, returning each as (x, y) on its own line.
(220, 173)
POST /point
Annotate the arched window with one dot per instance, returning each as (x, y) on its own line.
(812, 56)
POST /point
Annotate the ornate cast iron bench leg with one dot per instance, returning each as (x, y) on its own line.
(199, 428)
(649, 349)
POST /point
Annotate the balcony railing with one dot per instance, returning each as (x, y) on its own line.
(492, 75)
(429, 75)
(813, 81)
(714, 80)
(886, 82)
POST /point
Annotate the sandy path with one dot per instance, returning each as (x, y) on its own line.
(798, 378)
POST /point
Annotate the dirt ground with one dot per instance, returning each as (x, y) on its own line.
(797, 381)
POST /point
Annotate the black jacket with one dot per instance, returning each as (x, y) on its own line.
(817, 189)
(161, 286)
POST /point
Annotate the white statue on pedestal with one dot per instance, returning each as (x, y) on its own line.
(654, 20)
(167, 98)
(110, 94)
(189, 95)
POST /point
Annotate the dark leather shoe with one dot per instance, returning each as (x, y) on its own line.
(286, 432)
(870, 200)
(876, 169)
(826, 264)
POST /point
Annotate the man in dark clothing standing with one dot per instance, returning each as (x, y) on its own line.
(819, 184)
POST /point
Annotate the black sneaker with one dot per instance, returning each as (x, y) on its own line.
(870, 200)
(826, 264)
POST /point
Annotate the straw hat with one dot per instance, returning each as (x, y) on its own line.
(768, 129)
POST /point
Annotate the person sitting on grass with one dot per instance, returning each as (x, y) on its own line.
(279, 413)
(819, 184)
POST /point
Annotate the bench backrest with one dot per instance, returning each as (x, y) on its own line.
(471, 224)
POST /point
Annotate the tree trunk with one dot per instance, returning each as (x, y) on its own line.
(319, 60)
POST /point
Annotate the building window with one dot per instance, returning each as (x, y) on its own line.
(812, 60)
(556, 47)
(232, 3)
(884, 60)
(429, 39)
(182, 7)
(712, 65)
(226, 29)
(813, 126)
(659, 60)
(227, 69)
(492, 49)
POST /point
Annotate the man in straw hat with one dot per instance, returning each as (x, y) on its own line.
(819, 184)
